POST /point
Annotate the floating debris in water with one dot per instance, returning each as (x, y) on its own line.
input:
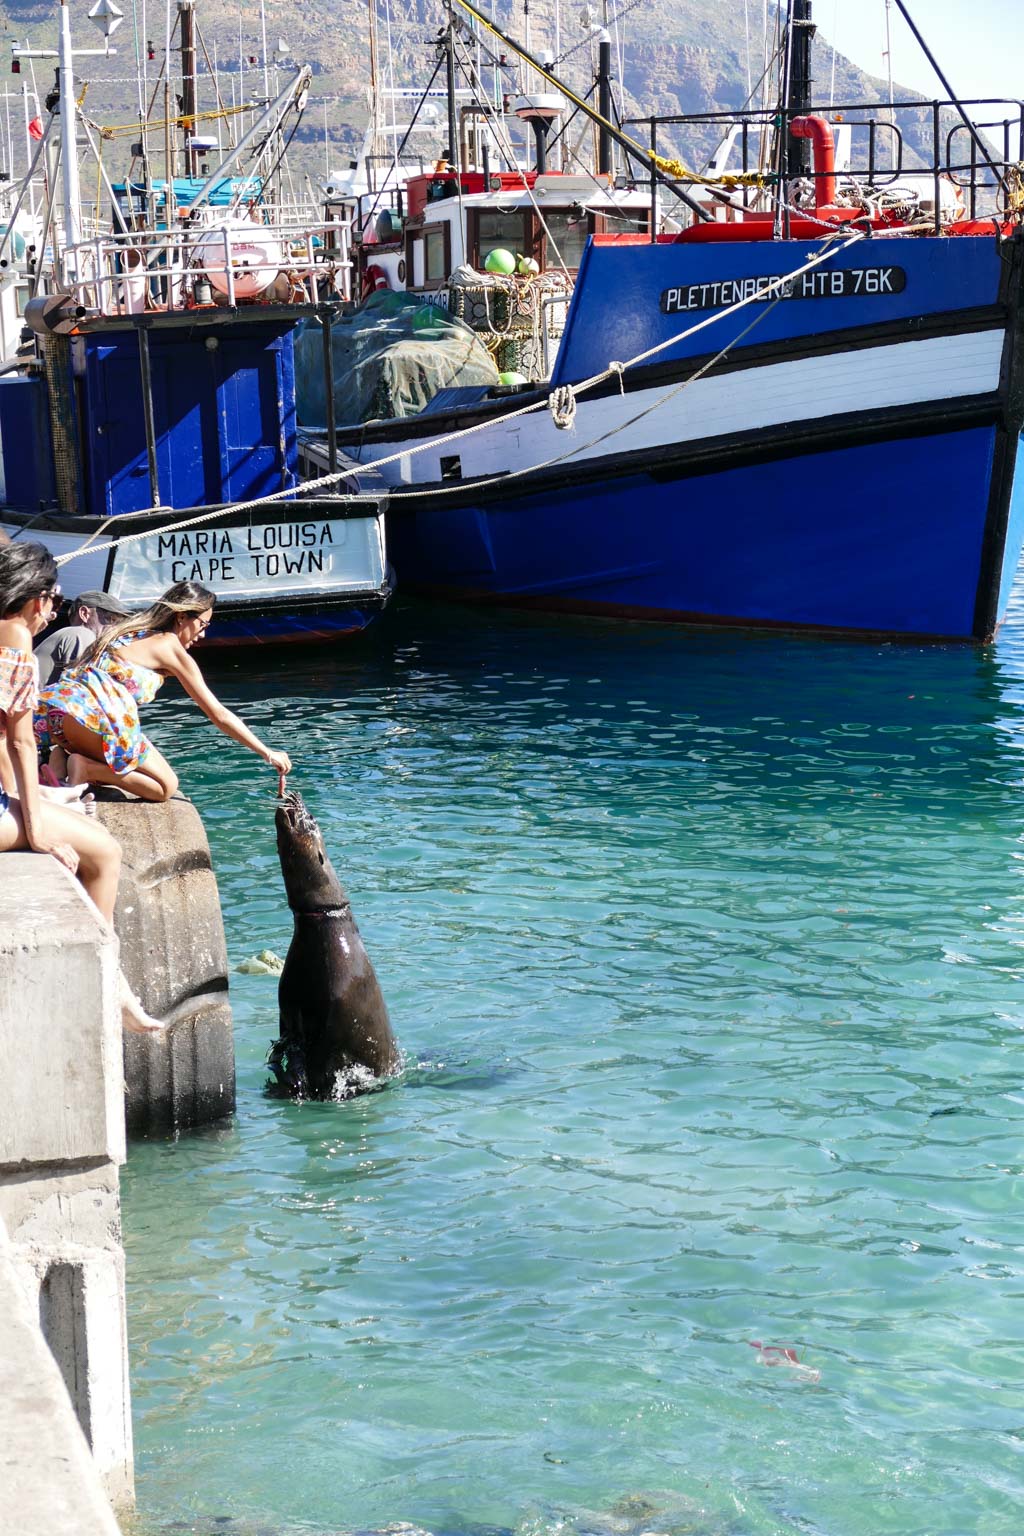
(263, 963)
(785, 1355)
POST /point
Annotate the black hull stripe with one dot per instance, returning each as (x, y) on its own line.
(308, 509)
(679, 461)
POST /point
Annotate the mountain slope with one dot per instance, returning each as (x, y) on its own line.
(676, 56)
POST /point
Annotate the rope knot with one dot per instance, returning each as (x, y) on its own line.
(562, 405)
(619, 369)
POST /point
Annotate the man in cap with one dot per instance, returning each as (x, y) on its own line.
(90, 613)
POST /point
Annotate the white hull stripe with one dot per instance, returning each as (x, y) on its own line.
(771, 395)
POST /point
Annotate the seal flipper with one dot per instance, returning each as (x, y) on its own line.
(287, 1062)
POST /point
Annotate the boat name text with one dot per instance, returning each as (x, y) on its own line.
(846, 284)
(275, 549)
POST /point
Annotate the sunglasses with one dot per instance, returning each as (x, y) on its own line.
(53, 593)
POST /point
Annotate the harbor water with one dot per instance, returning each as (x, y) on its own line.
(706, 955)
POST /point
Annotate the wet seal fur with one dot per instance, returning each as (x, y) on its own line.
(333, 1015)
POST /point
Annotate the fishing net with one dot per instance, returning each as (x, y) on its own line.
(390, 359)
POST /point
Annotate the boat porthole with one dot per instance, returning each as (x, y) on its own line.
(401, 270)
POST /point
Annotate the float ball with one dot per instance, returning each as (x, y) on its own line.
(500, 261)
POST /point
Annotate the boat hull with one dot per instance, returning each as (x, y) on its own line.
(309, 570)
(848, 465)
(750, 545)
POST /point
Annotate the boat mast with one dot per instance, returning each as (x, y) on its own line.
(68, 146)
(188, 80)
(604, 100)
(453, 125)
(798, 103)
(632, 149)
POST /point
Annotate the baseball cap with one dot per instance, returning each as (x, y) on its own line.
(104, 600)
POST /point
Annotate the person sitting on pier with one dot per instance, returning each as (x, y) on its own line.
(29, 595)
(92, 711)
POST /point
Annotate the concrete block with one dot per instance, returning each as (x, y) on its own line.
(60, 1033)
(174, 954)
(61, 1142)
(50, 1482)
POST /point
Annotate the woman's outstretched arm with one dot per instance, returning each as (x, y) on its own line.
(173, 658)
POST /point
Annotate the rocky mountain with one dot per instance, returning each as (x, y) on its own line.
(670, 57)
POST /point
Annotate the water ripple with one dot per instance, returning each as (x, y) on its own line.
(705, 953)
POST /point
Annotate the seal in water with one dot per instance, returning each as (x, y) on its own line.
(333, 1016)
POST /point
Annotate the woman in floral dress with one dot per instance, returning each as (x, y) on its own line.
(92, 711)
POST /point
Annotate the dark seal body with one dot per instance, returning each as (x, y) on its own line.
(333, 1015)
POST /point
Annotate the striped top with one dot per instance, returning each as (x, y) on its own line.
(19, 680)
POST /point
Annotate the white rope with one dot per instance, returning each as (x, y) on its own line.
(562, 405)
(771, 289)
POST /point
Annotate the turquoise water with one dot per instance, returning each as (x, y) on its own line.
(705, 953)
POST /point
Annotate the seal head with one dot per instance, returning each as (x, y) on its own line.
(309, 878)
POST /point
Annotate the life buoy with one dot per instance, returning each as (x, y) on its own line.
(375, 280)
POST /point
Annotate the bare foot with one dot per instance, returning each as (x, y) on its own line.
(134, 1017)
(70, 796)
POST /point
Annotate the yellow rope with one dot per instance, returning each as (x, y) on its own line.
(112, 130)
(677, 169)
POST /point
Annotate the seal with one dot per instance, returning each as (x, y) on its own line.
(333, 1014)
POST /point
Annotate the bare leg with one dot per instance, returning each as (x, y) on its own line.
(99, 866)
(99, 856)
(153, 780)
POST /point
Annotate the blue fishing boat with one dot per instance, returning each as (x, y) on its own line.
(148, 428)
(798, 402)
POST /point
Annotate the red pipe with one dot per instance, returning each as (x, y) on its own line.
(820, 133)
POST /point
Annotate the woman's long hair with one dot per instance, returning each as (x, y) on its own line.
(185, 600)
(26, 571)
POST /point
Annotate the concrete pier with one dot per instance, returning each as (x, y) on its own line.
(61, 1145)
(49, 1480)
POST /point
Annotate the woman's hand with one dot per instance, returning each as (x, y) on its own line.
(281, 761)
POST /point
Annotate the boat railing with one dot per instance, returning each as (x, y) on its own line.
(886, 146)
(227, 263)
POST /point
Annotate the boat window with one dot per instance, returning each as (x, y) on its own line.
(500, 230)
(569, 229)
(428, 255)
(434, 255)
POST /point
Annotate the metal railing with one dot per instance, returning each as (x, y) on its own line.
(185, 268)
(888, 143)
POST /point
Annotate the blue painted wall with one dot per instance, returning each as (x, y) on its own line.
(224, 415)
